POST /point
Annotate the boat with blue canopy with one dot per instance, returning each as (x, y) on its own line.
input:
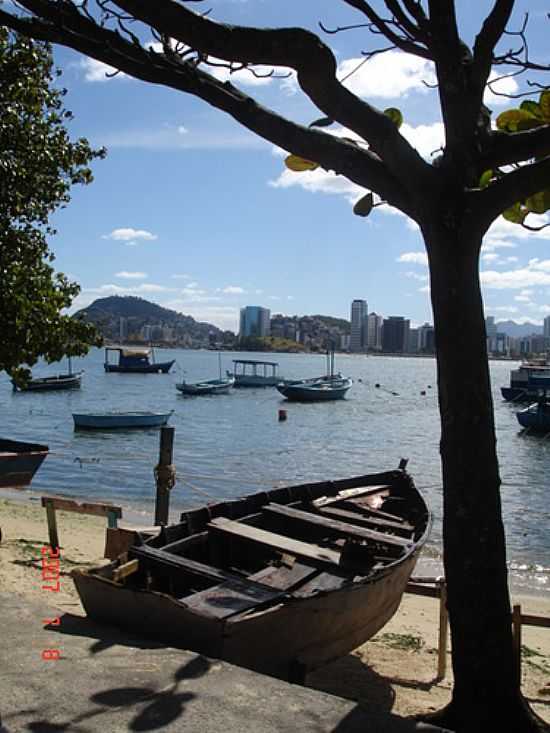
(254, 373)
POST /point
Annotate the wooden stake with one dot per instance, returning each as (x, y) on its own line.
(516, 625)
(52, 523)
(443, 623)
(162, 503)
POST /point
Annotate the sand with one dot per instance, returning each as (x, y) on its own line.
(396, 670)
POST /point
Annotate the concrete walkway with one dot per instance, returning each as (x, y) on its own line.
(107, 681)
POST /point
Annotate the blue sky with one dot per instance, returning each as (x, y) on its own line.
(195, 213)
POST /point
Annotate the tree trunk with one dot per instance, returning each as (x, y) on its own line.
(486, 694)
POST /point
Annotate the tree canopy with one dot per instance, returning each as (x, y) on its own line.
(482, 171)
(38, 165)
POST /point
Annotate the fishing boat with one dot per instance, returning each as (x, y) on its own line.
(211, 386)
(135, 361)
(523, 381)
(19, 461)
(71, 380)
(280, 581)
(253, 373)
(120, 420)
(222, 385)
(536, 417)
(332, 386)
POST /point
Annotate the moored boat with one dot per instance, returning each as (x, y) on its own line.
(316, 390)
(254, 373)
(280, 581)
(536, 417)
(19, 461)
(120, 420)
(211, 386)
(55, 382)
(135, 360)
(523, 381)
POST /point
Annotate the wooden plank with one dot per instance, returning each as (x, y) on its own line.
(160, 558)
(531, 620)
(123, 571)
(52, 523)
(279, 542)
(68, 505)
(286, 577)
(344, 494)
(231, 597)
(361, 519)
(334, 525)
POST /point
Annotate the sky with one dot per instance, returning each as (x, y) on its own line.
(195, 213)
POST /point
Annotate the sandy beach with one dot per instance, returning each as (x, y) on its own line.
(396, 670)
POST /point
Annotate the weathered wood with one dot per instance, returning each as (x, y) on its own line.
(311, 552)
(530, 620)
(516, 626)
(231, 597)
(355, 493)
(164, 476)
(286, 577)
(334, 525)
(68, 505)
(185, 543)
(152, 556)
(123, 571)
(443, 625)
(361, 519)
(52, 523)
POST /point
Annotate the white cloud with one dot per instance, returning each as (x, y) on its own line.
(112, 289)
(419, 258)
(125, 234)
(387, 75)
(172, 137)
(417, 276)
(233, 290)
(499, 86)
(224, 317)
(534, 274)
(503, 233)
(98, 71)
(504, 309)
(131, 275)
(183, 276)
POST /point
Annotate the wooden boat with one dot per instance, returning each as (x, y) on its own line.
(281, 581)
(211, 386)
(120, 420)
(43, 384)
(316, 390)
(536, 417)
(524, 381)
(19, 461)
(253, 373)
(135, 361)
(71, 380)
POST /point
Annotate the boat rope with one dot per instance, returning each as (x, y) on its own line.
(165, 476)
(200, 491)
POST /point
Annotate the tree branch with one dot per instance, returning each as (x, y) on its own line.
(514, 186)
(489, 35)
(505, 148)
(72, 29)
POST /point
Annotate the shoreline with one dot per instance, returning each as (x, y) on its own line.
(403, 655)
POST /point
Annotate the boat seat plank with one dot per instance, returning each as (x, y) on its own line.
(279, 542)
(230, 597)
(285, 577)
(156, 557)
(359, 491)
(335, 525)
(361, 519)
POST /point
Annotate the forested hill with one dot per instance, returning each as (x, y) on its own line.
(146, 321)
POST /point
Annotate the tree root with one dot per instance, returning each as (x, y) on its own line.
(500, 717)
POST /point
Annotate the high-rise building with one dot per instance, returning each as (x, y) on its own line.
(395, 335)
(254, 321)
(358, 326)
(374, 332)
(546, 331)
(426, 338)
(490, 327)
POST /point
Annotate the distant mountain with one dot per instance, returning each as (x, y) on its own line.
(146, 321)
(517, 330)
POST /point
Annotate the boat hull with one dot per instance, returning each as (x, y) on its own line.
(160, 368)
(214, 386)
(120, 421)
(47, 384)
(255, 381)
(19, 462)
(537, 420)
(303, 625)
(297, 393)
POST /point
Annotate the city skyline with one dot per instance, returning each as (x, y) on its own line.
(193, 212)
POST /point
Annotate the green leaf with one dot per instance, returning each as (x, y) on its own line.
(539, 203)
(363, 207)
(486, 178)
(508, 121)
(534, 108)
(544, 103)
(322, 122)
(516, 214)
(297, 164)
(395, 116)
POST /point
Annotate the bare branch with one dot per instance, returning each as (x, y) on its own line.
(507, 148)
(488, 37)
(415, 32)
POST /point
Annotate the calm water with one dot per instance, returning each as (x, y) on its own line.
(231, 445)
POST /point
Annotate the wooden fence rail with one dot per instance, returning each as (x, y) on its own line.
(51, 503)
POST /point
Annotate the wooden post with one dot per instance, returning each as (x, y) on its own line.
(443, 623)
(52, 523)
(112, 520)
(516, 625)
(164, 476)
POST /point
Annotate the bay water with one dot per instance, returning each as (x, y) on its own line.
(230, 445)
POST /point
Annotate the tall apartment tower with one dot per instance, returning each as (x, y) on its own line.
(254, 321)
(546, 331)
(395, 335)
(374, 332)
(358, 341)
